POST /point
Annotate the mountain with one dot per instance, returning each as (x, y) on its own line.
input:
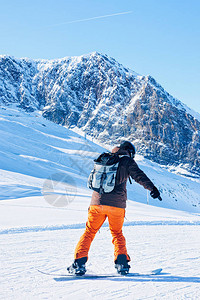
(107, 101)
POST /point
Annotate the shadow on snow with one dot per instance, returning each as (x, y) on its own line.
(141, 278)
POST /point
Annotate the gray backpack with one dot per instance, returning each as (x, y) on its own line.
(103, 176)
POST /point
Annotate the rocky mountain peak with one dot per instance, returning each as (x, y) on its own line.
(108, 101)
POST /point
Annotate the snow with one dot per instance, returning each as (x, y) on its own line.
(37, 235)
(40, 236)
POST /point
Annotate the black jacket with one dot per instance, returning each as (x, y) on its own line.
(117, 198)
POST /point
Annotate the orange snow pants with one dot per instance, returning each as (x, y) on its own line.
(97, 214)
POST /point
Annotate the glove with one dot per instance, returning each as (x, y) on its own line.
(155, 194)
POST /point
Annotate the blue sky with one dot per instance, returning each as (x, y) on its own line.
(160, 38)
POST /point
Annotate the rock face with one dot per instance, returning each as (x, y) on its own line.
(107, 101)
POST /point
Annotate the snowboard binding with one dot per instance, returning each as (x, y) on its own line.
(122, 265)
(78, 267)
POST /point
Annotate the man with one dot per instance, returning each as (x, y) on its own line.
(112, 206)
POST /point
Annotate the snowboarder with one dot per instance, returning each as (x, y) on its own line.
(112, 206)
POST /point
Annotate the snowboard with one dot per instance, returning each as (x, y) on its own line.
(96, 276)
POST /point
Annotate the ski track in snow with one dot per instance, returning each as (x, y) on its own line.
(35, 235)
(82, 225)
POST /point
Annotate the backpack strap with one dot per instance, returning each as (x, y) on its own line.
(102, 180)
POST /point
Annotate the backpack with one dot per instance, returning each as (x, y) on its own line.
(103, 176)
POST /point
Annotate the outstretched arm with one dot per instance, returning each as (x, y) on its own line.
(140, 177)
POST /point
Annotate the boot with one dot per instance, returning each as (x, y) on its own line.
(121, 264)
(78, 266)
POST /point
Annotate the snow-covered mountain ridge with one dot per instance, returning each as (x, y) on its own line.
(109, 102)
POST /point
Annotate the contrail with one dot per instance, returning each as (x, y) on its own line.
(93, 18)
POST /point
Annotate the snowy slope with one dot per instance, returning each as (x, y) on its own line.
(36, 234)
(35, 148)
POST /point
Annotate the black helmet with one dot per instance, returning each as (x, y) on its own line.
(129, 147)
